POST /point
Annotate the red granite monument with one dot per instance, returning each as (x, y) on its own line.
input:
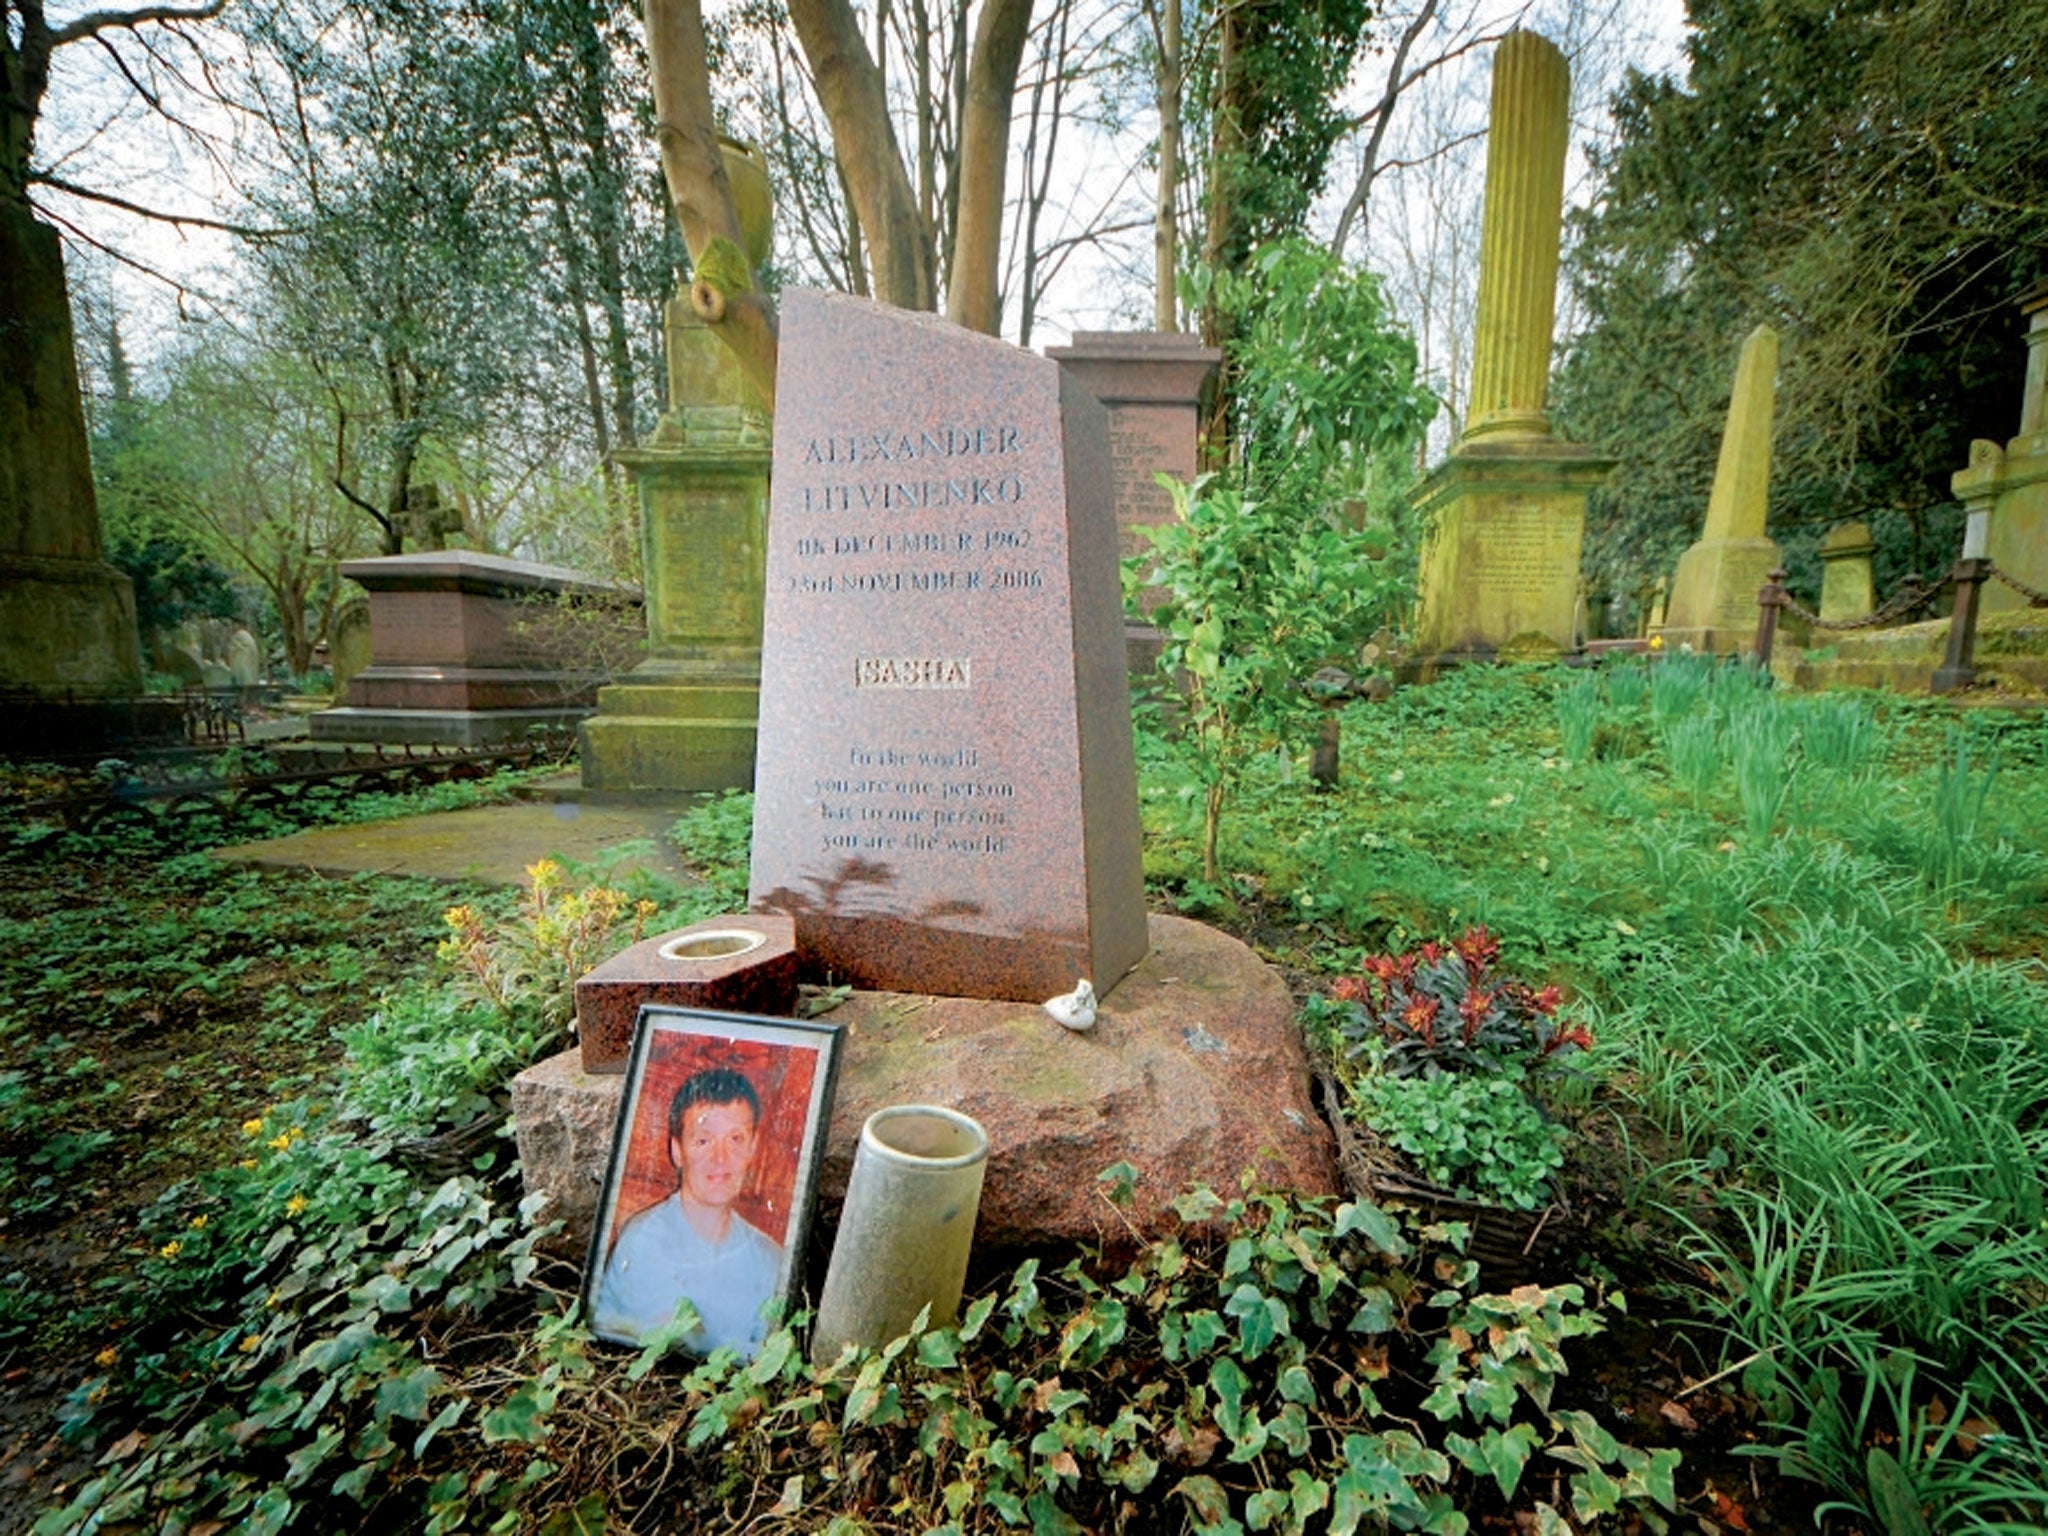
(1151, 382)
(463, 650)
(946, 796)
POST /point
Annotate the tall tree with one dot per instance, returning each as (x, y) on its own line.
(1865, 175)
(408, 281)
(898, 208)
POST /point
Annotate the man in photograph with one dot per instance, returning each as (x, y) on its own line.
(695, 1244)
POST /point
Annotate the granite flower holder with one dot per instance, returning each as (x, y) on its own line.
(746, 963)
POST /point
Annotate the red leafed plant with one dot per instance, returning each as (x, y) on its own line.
(1443, 1008)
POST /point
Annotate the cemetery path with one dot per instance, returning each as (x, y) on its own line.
(492, 844)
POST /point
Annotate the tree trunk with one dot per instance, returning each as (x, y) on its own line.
(850, 89)
(607, 200)
(722, 291)
(1166, 222)
(973, 293)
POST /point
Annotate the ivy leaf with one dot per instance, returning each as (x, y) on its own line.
(977, 1315)
(1504, 1455)
(522, 1418)
(1209, 1505)
(441, 1421)
(775, 1352)
(1374, 1224)
(1264, 1507)
(1228, 1382)
(406, 1395)
(1375, 1311)
(1309, 1495)
(306, 1460)
(939, 1351)
(1260, 1319)
(1297, 1386)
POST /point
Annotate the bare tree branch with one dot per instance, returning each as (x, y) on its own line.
(72, 189)
(94, 22)
(1383, 114)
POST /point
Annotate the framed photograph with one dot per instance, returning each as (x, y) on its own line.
(714, 1165)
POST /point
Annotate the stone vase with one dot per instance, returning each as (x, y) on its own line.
(905, 1230)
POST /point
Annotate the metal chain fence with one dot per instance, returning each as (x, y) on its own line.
(1913, 594)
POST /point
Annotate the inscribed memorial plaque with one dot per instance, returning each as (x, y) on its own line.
(946, 797)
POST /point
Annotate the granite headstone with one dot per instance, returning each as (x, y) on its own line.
(946, 796)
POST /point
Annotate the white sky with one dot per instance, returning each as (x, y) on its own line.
(95, 133)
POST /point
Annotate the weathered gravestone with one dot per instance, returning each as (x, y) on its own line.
(2005, 489)
(945, 796)
(1846, 591)
(1713, 594)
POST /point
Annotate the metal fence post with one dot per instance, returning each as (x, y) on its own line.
(1769, 599)
(1957, 669)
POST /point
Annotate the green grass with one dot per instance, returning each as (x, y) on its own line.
(1807, 932)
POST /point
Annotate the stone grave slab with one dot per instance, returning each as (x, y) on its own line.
(462, 650)
(945, 793)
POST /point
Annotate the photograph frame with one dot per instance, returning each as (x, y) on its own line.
(693, 1196)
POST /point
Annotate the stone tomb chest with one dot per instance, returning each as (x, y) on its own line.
(467, 648)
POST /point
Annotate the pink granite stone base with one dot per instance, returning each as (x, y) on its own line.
(683, 970)
(1194, 1073)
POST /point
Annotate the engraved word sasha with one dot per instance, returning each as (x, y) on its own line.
(913, 672)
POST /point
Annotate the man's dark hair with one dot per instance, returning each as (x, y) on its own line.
(714, 1085)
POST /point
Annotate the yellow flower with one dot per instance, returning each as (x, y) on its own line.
(199, 1223)
(645, 908)
(460, 917)
(252, 1127)
(247, 1162)
(1656, 642)
(107, 1356)
(296, 1204)
(279, 1143)
(171, 1249)
(273, 1298)
(295, 1133)
(251, 1344)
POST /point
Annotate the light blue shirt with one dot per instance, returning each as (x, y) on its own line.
(659, 1259)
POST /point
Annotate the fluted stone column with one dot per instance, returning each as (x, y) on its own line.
(1713, 594)
(1518, 251)
(1507, 509)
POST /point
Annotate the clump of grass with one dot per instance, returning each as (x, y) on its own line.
(1578, 718)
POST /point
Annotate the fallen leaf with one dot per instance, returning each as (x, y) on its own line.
(125, 1447)
(1678, 1414)
(1729, 1512)
(1194, 1450)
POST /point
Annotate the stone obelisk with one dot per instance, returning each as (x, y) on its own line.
(1713, 595)
(1500, 573)
(67, 618)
